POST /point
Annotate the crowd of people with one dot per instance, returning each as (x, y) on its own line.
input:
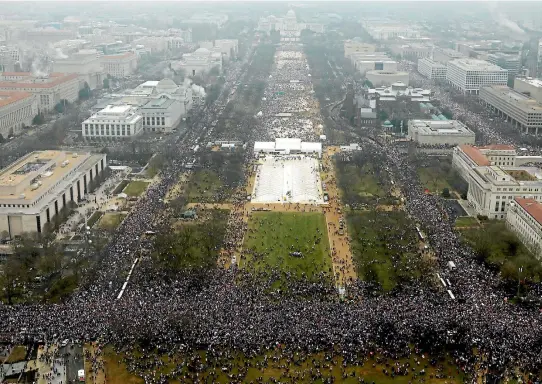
(219, 315)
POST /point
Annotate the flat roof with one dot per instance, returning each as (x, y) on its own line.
(432, 62)
(37, 172)
(475, 155)
(532, 207)
(476, 65)
(116, 109)
(510, 96)
(10, 97)
(441, 127)
(30, 81)
(530, 80)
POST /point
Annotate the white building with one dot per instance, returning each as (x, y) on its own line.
(512, 63)
(529, 86)
(495, 177)
(36, 187)
(354, 46)
(524, 218)
(121, 65)
(153, 44)
(364, 62)
(386, 78)
(113, 122)
(522, 111)
(228, 47)
(17, 110)
(287, 26)
(84, 63)
(468, 75)
(437, 132)
(161, 114)
(443, 55)
(287, 146)
(412, 51)
(49, 91)
(400, 90)
(200, 62)
(390, 30)
(431, 69)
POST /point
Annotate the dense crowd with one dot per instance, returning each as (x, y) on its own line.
(217, 314)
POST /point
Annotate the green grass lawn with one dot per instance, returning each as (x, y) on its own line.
(17, 354)
(434, 179)
(111, 221)
(372, 370)
(384, 247)
(273, 235)
(361, 181)
(93, 219)
(203, 186)
(466, 221)
(136, 188)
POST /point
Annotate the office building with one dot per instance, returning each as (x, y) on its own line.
(529, 86)
(49, 90)
(468, 75)
(84, 63)
(200, 62)
(496, 176)
(432, 69)
(354, 46)
(37, 186)
(443, 55)
(437, 132)
(412, 51)
(522, 111)
(114, 122)
(386, 78)
(524, 218)
(120, 65)
(17, 110)
(363, 62)
(512, 63)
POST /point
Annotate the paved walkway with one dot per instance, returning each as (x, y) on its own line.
(94, 365)
(50, 370)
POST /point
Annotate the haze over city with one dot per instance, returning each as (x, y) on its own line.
(270, 192)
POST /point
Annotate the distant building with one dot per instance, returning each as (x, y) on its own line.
(412, 51)
(201, 61)
(49, 90)
(114, 122)
(495, 177)
(431, 69)
(512, 63)
(17, 110)
(121, 65)
(522, 111)
(524, 218)
(437, 132)
(85, 64)
(387, 78)
(402, 91)
(468, 75)
(287, 26)
(443, 55)
(354, 46)
(43, 36)
(287, 146)
(37, 186)
(529, 86)
(379, 61)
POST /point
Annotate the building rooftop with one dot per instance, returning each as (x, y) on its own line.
(531, 81)
(510, 96)
(120, 56)
(37, 172)
(432, 62)
(27, 80)
(160, 103)
(439, 127)
(116, 109)
(9, 97)
(532, 207)
(475, 155)
(476, 65)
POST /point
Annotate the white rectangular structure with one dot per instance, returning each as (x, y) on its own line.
(529, 86)
(84, 63)
(494, 178)
(438, 132)
(524, 218)
(468, 75)
(353, 46)
(286, 146)
(17, 109)
(522, 111)
(114, 122)
(121, 65)
(432, 69)
(443, 55)
(288, 179)
(161, 114)
(37, 186)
